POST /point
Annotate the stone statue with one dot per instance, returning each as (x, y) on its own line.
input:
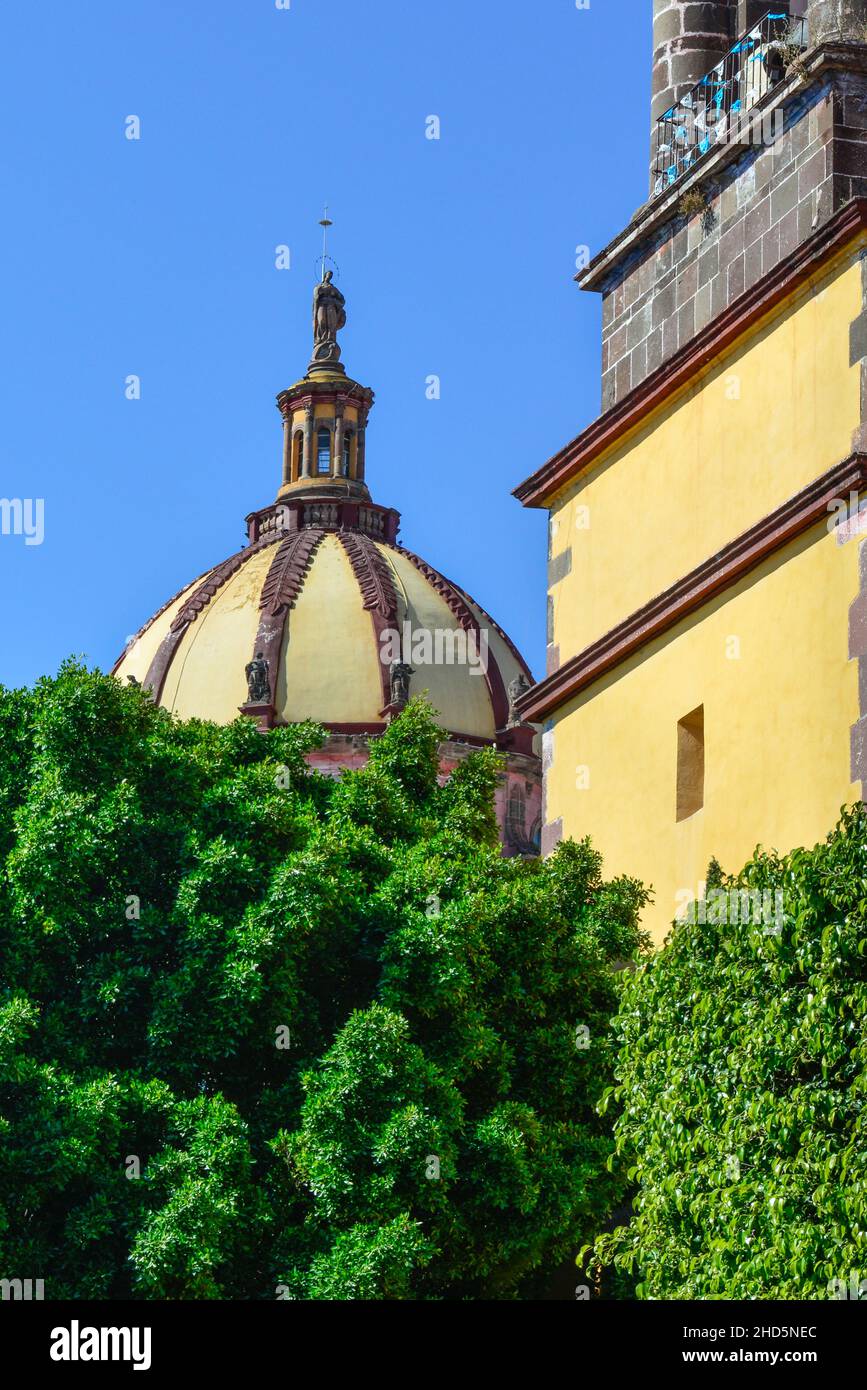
(399, 674)
(258, 683)
(517, 687)
(329, 316)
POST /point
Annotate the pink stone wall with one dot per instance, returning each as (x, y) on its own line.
(518, 797)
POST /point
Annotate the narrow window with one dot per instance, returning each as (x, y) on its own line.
(516, 815)
(347, 454)
(690, 763)
(299, 454)
(323, 452)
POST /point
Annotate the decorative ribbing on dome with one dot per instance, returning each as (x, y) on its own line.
(373, 574)
(451, 595)
(377, 591)
(459, 606)
(288, 571)
(504, 635)
(280, 592)
(159, 613)
(215, 580)
(220, 575)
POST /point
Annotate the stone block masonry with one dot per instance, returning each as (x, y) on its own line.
(761, 202)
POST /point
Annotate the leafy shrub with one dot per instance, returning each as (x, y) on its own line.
(266, 1034)
(741, 1089)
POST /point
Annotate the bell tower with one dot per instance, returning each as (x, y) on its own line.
(688, 39)
(757, 117)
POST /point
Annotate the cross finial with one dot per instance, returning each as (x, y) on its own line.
(325, 222)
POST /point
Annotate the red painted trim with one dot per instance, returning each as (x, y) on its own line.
(458, 605)
(716, 574)
(199, 600)
(280, 592)
(345, 392)
(377, 592)
(150, 622)
(373, 574)
(504, 635)
(159, 667)
(289, 568)
(711, 342)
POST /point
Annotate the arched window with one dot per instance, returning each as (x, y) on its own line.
(323, 451)
(347, 453)
(299, 454)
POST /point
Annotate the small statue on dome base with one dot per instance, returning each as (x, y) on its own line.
(517, 687)
(258, 682)
(399, 674)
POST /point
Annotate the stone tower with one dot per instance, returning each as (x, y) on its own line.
(664, 278)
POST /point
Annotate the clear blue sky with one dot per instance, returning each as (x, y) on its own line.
(156, 257)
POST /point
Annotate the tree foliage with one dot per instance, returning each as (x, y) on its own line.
(741, 1093)
(264, 1033)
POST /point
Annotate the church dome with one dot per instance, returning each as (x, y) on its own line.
(324, 615)
(331, 608)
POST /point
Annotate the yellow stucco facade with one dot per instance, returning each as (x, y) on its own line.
(764, 663)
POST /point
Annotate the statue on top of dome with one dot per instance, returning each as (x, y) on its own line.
(329, 316)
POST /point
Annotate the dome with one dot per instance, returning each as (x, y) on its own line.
(332, 609)
(323, 615)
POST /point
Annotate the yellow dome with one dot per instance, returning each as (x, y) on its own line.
(331, 609)
(324, 616)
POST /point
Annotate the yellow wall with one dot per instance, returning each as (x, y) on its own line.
(777, 722)
(779, 409)
(759, 425)
(329, 666)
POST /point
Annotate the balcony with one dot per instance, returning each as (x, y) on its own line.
(716, 110)
(343, 514)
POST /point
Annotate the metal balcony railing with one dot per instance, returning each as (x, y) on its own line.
(713, 112)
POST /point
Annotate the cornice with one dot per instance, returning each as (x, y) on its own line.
(713, 340)
(690, 593)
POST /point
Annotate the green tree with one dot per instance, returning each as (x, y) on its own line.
(265, 1033)
(741, 1092)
